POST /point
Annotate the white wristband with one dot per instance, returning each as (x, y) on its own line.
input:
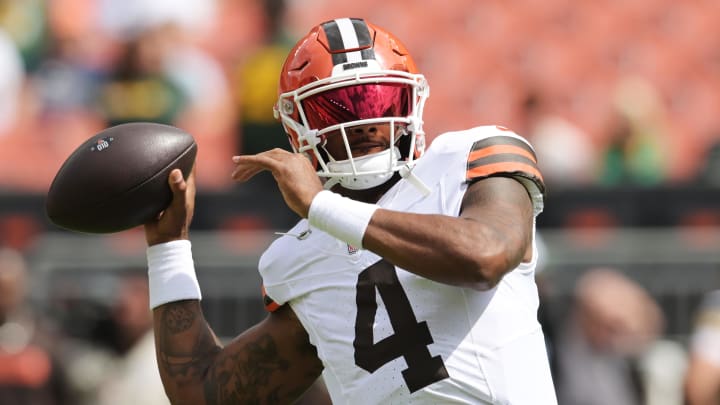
(171, 273)
(341, 217)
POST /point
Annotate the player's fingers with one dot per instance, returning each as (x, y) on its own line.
(245, 173)
(173, 222)
(178, 186)
(176, 181)
(268, 160)
(248, 166)
(261, 161)
(190, 186)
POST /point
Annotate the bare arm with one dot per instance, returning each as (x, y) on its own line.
(271, 363)
(491, 237)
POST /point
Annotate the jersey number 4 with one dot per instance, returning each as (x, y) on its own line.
(410, 339)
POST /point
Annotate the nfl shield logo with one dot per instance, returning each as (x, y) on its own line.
(351, 249)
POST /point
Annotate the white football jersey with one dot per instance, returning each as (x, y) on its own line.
(387, 336)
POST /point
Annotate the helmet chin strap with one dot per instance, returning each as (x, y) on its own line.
(373, 162)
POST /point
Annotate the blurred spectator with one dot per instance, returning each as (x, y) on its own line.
(702, 381)
(120, 367)
(710, 171)
(65, 81)
(11, 79)
(613, 323)
(635, 153)
(255, 85)
(139, 89)
(199, 76)
(565, 152)
(62, 41)
(115, 363)
(30, 373)
(662, 368)
(164, 77)
(125, 18)
(26, 23)
(208, 113)
(132, 377)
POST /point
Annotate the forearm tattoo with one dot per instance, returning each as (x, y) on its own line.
(235, 378)
(175, 358)
(254, 371)
(177, 319)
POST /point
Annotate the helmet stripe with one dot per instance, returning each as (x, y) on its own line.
(349, 38)
(364, 39)
(347, 33)
(335, 42)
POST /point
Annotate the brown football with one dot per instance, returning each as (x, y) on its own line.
(117, 179)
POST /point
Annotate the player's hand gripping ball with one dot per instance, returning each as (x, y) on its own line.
(118, 179)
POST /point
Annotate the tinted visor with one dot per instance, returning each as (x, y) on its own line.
(358, 102)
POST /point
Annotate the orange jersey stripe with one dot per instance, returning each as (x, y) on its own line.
(497, 149)
(503, 167)
(270, 304)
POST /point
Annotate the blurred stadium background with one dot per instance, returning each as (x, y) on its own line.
(620, 98)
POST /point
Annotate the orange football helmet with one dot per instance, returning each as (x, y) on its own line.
(348, 72)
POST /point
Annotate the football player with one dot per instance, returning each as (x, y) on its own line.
(409, 278)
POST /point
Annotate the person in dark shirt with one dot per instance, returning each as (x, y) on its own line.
(30, 373)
